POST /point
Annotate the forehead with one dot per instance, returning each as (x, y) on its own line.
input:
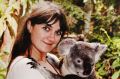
(55, 24)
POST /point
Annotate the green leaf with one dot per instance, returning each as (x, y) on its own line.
(98, 65)
(102, 71)
(116, 75)
(116, 63)
(1, 77)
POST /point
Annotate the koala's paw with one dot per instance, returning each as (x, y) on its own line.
(53, 59)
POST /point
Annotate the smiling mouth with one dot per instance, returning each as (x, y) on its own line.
(49, 44)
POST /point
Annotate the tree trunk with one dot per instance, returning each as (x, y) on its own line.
(87, 17)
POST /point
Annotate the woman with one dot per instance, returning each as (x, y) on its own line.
(41, 31)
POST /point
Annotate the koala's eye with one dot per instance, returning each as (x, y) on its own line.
(79, 61)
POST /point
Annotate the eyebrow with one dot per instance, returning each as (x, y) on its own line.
(50, 25)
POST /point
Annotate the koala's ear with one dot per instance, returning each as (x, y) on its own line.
(65, 45)
(99, 50)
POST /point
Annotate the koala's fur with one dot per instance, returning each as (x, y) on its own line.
(78, 62)
(80, 57)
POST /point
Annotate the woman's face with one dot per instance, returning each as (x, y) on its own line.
(44, 38)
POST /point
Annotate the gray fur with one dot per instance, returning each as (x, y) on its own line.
(80, 57)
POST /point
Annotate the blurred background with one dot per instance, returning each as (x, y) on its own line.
(88, 20)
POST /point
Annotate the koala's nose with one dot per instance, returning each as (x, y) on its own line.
(87, 69)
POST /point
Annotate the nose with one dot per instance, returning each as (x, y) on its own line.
(87, 69)
(51, 37)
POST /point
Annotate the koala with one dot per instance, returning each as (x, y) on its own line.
(79, 58)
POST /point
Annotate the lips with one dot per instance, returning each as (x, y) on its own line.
(48, 43)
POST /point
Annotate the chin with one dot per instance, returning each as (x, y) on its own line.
(46, 51)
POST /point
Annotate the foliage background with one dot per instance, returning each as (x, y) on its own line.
(97, 20)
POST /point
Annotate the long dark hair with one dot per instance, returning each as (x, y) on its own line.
(44, 12)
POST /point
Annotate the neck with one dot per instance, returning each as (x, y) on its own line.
(37, 55)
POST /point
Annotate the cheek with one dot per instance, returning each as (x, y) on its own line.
(57, 40)
(36, 37)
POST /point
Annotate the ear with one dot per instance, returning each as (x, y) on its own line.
(99, 50)
(65, 45)
(29, 26)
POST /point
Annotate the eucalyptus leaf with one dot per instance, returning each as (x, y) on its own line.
(102, 71)
(116, 63)
(116, 75)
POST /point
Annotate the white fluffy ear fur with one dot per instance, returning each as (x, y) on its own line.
(65, 45)
(100, 49)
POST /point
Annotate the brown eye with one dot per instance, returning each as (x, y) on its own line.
(59, 33)
(46, 28)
